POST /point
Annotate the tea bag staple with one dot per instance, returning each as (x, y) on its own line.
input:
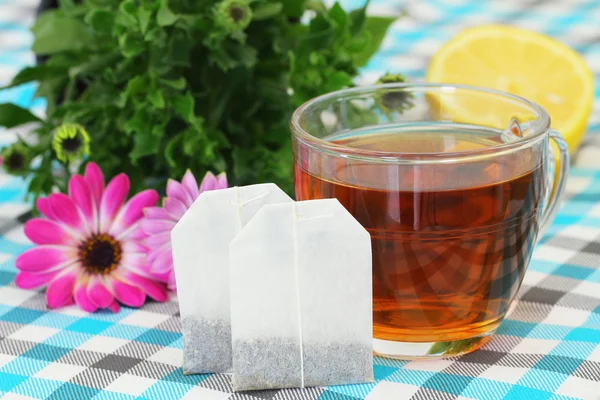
(301, 298)
(200, 243)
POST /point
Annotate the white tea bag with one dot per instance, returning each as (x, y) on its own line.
(301, 298)
(200, 242)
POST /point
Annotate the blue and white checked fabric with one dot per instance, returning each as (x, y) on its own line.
(548, 347)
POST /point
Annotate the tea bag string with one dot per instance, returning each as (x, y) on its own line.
(299, 217)
(260, 196)
(296, 218)
(239, 203)
(305, 218)
(238, 209)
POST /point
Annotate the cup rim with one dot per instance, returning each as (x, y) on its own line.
(540, 126)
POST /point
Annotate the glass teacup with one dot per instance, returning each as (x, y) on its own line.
(454, 184)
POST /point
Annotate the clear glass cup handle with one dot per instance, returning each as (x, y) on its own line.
(556, 187)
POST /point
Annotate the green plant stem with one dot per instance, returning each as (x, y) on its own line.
(68, 173)
(70, 89)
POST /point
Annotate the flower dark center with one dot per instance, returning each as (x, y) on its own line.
(72, 144)
(100, 254)
(15, 161)
(236, 13)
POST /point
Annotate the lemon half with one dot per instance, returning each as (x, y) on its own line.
(521, 62)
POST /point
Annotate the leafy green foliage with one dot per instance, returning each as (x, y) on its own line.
(376, 28)
(166, 85)
(12, 115)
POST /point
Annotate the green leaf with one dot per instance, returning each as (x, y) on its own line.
(131, 45)
(223, 60)
(12, 115)
(37, 73)
(246, 55)
(178, 49)
(157, 99)
(55, 32)
(337, 14)
(144, 19)
(66, 4)
(95, 64)
(50, 89)
(320, 35)
(135, 86)
(266, 11)
(316, 5)
(178, 83)
(101, 21)
(144, 144)
(139, 123)
(128, 10)
(293, 8)
(376, 27)
(104, 3)
(358, 18)
(172, 146)
(338, 80)
(183, 105)
(165, 16)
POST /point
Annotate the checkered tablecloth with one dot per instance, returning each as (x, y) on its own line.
(548, 348)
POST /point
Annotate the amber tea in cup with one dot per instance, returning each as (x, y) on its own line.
(454, 202)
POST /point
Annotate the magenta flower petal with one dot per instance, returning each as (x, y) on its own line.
(134, 261)
(175, 207)
(60, 289)
(136, 234)
(222, 181)
(133, 246)
(112, 200)
(158, 222)
(158, 240)
(43, 205)
(154, 252)
(158, 213)
(190, 183)
(65, 210)
(133, 211)
(95, 180)
(98, 293)
(152, 288)
(162, 277)
(44, 231)
(163, 262)
(178, 191)
(171, 284)
(129, 295)
(209, 182)
(152, 226)
(46, 258)
(114, 307)
(80, 193)
(82, 299)
(33, 280)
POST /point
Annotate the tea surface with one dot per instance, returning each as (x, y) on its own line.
(450, 242)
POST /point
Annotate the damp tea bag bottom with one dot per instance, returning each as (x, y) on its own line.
(301, 298)
(200, 244)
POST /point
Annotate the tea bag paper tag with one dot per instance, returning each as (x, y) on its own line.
(301, 298)
(200, 243)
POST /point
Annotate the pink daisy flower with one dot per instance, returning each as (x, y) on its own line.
(159, 221)
(88, 249)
